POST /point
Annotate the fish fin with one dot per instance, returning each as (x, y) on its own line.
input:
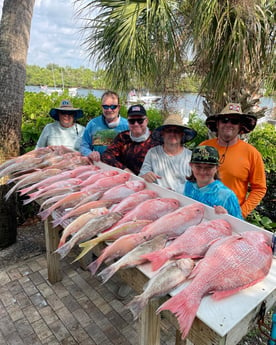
(64, 249)
(87, 246)
(27, 201)
(184, 308)
(93, 267)
(136, 306)
(10, 192)
(107, 273)
(57, 222)
(44, 214)
(157, 258)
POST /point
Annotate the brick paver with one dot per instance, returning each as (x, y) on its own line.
(78, 310)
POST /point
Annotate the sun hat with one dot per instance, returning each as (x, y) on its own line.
(205, 154)
(136, 110)
(176, 120)
(66, 106)
(247, 122)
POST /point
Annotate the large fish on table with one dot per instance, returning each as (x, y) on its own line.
(164, 281)
(147, 210)
(134, 257)
(105, 183)
(122, 191)
(172, 224)
(193, 243)
(95, 177)
(230, 265)
(90, 229)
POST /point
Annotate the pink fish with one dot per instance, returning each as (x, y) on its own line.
(222, 273)
(193, 243)
(21, 165)
(79, 222)
(95, 177)
(109, 182)
(159, 207)
(122, 191)
(151, 209)
(133, 200)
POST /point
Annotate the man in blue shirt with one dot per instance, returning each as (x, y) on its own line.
(101, 130)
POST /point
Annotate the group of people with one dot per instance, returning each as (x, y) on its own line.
(225, 172)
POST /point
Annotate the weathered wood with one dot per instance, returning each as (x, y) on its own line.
(52, 240)
(150, 325)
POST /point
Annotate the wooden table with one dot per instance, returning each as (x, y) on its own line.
(222, 322)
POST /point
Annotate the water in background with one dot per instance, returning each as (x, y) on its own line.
(188, 102)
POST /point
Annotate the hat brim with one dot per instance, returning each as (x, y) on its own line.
(248, 122)
(188, 133)
(78, 113)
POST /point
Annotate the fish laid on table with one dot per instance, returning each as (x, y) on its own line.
(84, 208)
(31, 179)
(21, 165)
(122, 191)
(164, 281)
(105, 183)
(117, 231)
(133, 200)
(79, 222)
(89, 230)
(51, 193)
(230, 265)
(193, 243)
(93, 178)
(70, 182)
(147, 210)
(134, 257)
(171, 226)
(68, 201)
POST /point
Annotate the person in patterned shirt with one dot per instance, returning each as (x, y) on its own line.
(129, 147)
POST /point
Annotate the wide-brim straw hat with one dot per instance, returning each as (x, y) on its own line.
(247, 121)
(66, 106)
(175, 120)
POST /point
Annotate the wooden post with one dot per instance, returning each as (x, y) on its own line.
(150, 325)
(52, 240)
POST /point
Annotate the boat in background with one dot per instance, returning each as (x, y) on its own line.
(73, 91)
(134, 97)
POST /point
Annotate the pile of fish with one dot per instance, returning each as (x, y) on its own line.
(94, 205)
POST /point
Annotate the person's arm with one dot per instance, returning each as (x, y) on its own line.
(43, 139)
(146, 171)
(113, 152)
(257, 182)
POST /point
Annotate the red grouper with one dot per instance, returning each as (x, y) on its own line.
(231, 264)
(193, 243)
(172, 224)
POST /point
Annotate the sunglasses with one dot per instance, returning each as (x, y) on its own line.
(232, 120)
(139, 121)
(173, 130)
(112, 106)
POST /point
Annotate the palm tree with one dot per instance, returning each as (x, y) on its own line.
(14, 42)
(147, 41)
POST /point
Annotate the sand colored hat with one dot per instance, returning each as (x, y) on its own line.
(205, 154)
(66, 106)
(247, 122)
(176, 120)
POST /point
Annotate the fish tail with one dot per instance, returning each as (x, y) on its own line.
(25, 190)
(184, 308)
(87, 246)
(64, 249)
(158, 259)
(27, 201)
(44, 214)
(57, 222)
(10, 192)
(137, 305)
(107, 273)
(93, 267)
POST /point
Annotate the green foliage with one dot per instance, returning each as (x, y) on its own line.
(198, 125)
(155, 118)
(264, 139)
(262, 221)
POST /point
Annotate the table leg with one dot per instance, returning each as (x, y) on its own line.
(53, 263)
(150, 325)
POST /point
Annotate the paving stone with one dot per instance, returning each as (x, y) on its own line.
(59, 330)
(48, 314)
(15, 312)
(38, 300)
(31, 313)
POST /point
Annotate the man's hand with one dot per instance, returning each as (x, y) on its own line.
(150, 177)
(94, 156)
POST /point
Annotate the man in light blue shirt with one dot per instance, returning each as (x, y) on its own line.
(101, 130)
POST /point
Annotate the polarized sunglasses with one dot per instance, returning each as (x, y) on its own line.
(139, 121)
(233, 120)
(172, 130)
(112, 106)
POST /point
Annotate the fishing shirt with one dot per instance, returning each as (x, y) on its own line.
(126, 153)
(243, 172)
(97, 135)
(54, 134)
(214, 194)
(172, 169)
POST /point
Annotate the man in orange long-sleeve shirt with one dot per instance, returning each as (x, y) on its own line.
(241, 165)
